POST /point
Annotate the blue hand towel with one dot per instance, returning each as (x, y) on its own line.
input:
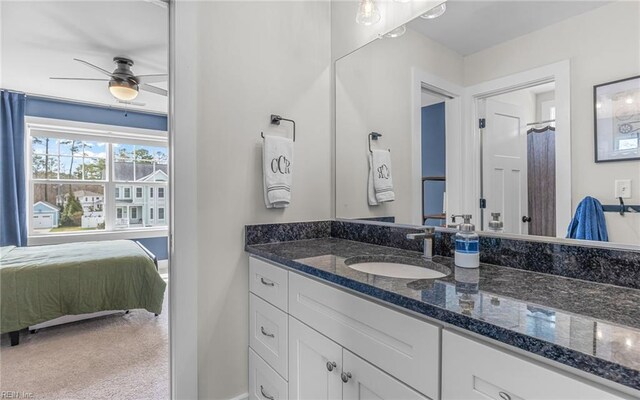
(588, 223)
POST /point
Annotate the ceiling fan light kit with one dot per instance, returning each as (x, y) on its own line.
(123, 90)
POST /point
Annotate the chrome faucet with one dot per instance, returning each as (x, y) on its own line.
(427, 236)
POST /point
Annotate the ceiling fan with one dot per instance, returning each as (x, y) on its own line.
(123, 84)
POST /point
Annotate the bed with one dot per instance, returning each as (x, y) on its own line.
(42, 283)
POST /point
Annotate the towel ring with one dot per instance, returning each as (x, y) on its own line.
(275, 120)
(374, 136)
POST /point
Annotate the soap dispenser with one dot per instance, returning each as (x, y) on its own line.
(467, 253)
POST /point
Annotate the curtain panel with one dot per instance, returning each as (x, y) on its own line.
(13, 203)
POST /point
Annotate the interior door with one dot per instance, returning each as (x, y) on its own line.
(366, 382)
(314, 364)
(504, 165)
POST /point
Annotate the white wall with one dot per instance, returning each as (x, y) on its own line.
(255, 59)
(373, 93)
(602, 45)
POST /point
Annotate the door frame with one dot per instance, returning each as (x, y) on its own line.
(453, 141)
(560, 73)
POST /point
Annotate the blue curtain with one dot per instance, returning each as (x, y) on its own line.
(13, 204)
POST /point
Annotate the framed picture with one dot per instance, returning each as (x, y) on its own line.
(617, 120)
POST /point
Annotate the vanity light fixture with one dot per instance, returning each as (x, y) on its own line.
(368, 13)
(396, 33)
(435, 12)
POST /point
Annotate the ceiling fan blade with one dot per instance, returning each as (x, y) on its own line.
(88, 64)
(132, 103)
(153, 89)
(152, 78)
(80, 79)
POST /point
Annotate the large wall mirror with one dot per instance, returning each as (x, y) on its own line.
(489, 110)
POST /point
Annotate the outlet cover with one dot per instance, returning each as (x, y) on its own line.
(623, 188)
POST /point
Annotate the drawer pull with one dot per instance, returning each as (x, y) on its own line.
(264, 332)
(345, 376)
(331, 365)
(266, 396)
(504, 396)
(266, 283)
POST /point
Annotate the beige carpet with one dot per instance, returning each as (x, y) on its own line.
(115, 357)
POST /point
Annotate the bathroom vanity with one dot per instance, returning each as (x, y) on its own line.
(320, 329)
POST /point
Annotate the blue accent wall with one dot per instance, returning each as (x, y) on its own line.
(157, 246)
(433, 158)
(70, 111)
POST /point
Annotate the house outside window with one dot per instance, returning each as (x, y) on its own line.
(161, 192)
(91, 181)
(160, 213)
(151, 213)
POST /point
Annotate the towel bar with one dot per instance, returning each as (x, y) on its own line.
(621, 208)
(374, 136)
(275, 120)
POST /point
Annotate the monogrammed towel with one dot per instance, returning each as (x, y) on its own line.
(277, 160)
(380, 187)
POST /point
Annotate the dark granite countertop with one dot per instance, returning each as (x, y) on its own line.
(590, 326)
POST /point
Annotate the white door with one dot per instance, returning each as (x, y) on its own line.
(366, 382)
(504, 169)
(314, 364)
(42, 221)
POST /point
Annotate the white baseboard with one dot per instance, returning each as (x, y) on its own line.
(244, 396)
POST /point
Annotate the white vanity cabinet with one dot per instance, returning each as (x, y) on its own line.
(312, 341)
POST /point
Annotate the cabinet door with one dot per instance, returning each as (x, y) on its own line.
(367, 382)
(311, 356)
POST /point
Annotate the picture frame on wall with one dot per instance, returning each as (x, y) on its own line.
(616, 110)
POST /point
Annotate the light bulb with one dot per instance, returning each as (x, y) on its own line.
(396, 33)
(629, 100)
(368, 13)
(435, 12)
(598, 105)
(123, 90)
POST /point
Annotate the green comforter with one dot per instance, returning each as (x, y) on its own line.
(41, 283)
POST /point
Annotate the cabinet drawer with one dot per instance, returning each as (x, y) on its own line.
(405, 347)
(268, 282)
(471, 370)
(264, 382)
(269, 334)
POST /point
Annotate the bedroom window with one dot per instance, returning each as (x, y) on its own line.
(84, 182)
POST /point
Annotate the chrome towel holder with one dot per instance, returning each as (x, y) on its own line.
(275, 120)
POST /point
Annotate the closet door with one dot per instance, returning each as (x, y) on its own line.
(314, 364)
(363, 381)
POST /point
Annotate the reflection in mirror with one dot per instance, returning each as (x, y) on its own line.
(489, 110)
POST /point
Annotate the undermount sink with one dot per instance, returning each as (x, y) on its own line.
(398, 267)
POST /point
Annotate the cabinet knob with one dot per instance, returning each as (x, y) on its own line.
(345, 376)
(265, 395)
(504, 396)
(264, 332)
(526, 219)
(331, 365)
(266, 283)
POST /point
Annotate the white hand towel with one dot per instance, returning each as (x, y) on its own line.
(371, 194)
(277, 164)
(380, 167)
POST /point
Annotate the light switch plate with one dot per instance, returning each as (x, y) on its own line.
(623, 188)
